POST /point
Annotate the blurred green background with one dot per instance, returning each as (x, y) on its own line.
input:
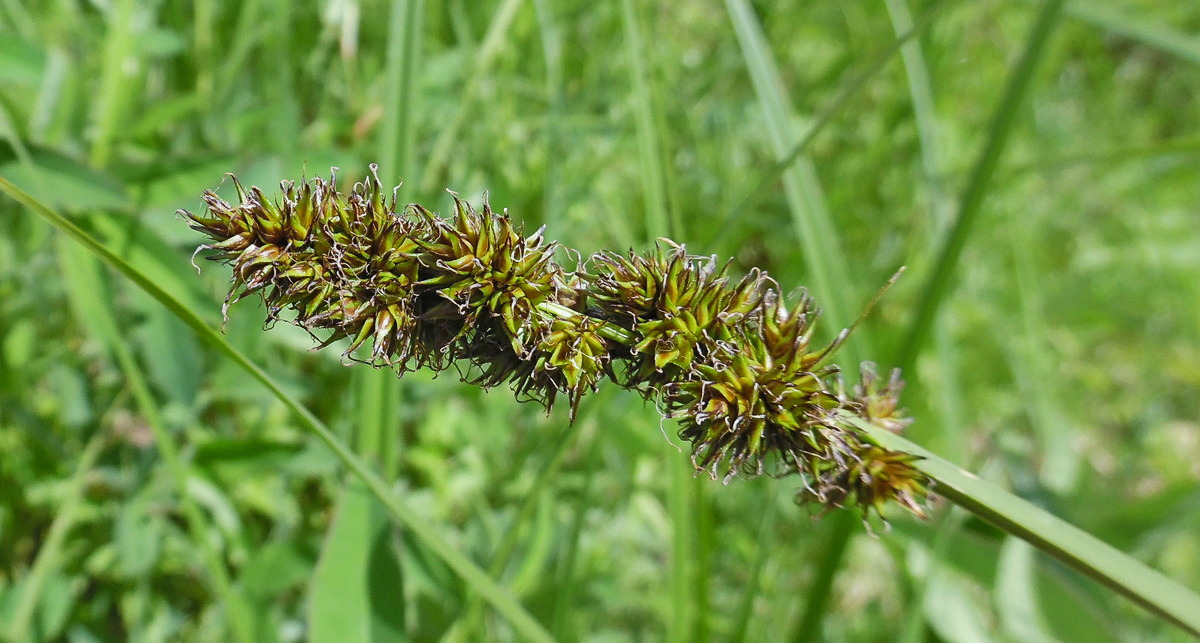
(1064, 363)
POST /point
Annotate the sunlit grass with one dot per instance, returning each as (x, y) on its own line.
(1072, 329)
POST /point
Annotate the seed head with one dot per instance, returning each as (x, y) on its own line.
(727, 358)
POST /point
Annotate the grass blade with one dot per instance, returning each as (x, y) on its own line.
(826, 263)
(403, 51)
(469, 571)
(822, 120)
(660, 219)
(51, 550)
(439, 157)
(939, 281)
(1163, 38)
(1065, 542)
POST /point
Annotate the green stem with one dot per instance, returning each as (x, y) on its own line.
(1124, 574)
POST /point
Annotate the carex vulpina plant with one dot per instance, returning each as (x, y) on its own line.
(729, 359)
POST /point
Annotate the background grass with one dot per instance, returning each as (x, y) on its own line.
(138, 466)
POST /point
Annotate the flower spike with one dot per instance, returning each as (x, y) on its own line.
(727, 358)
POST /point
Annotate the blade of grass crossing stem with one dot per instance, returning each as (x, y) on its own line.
(939, 281)
(825, 260)
(1161, 37)
(685, 497)
(396, 154)
(826, 263)
(822, 119)
(1126, 575)
(659, 222)
(949, 396)
(471, 574)
(50, 553)
(552, 208)
(448, 137)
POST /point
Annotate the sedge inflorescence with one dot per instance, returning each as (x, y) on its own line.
(729, 359)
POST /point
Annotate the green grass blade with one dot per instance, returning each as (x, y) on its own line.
(741, 622)
(949, 394)
(470, 573)
(685, 499)
(826, 263)
(649, 136)
(938, 284)
(443, 147)
(822, 120)
(51, 551)
(1161, 37)
(87, 292)
(840, 532)
(551, 40)
(1065, 542)
(396, 154)
(82, 272)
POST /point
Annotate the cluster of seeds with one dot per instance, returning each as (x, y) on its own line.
(727, 358)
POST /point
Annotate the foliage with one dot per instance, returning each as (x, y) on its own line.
(1062, 364)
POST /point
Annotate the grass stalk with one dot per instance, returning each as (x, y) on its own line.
(826, 263)
(397, 137)
(920, 91)
(841, 531)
